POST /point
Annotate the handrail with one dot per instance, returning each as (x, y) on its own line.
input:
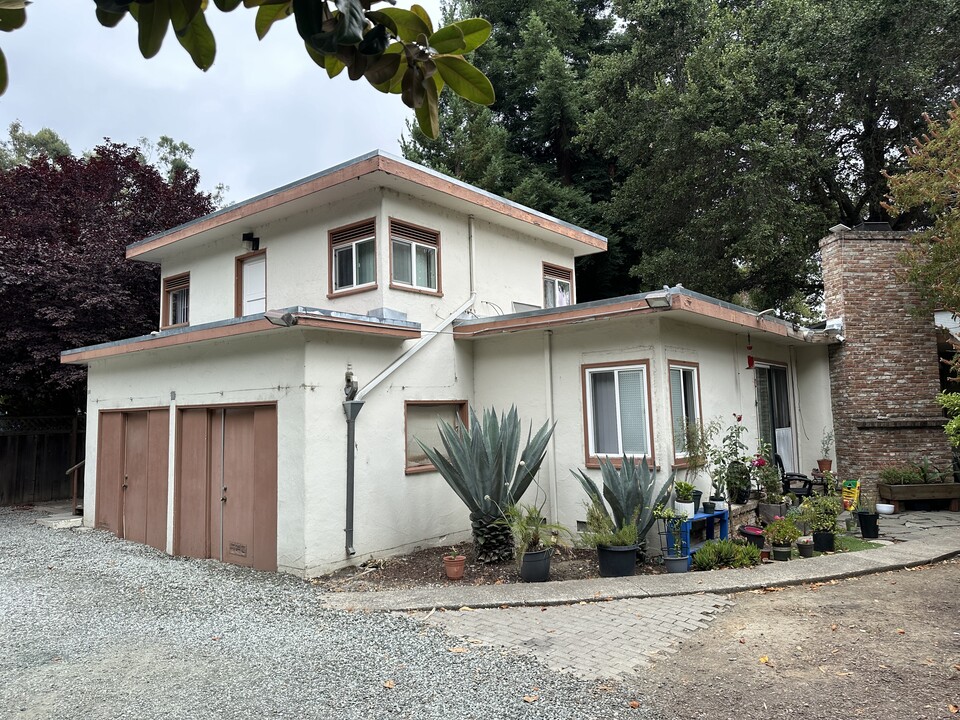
(73, 482)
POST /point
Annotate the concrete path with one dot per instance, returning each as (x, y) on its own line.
(609, 629)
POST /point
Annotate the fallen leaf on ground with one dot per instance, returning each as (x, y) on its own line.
(458, 650)
(764, 659)
(743, 641)
(957, 668)
(844, 674)
(900, 631)
(953, 709)
(833, 627)
(389, 684)
(530, 698)
(634, 704)
(466, 608)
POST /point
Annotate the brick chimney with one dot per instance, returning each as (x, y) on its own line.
(884, 376)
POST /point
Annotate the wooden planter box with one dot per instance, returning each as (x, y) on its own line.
(897, 494)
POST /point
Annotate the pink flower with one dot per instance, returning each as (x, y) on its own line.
(738, 417)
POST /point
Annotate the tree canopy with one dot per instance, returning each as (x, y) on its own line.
(712, 141)
(396, 50)
(64, 279)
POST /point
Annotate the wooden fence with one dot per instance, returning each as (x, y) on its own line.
(35, 453)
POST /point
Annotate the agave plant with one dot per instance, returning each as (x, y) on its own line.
(485, 468)
(630, 493)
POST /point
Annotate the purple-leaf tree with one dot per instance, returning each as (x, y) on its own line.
(64, 279)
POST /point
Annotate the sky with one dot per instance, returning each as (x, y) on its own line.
(264, 115)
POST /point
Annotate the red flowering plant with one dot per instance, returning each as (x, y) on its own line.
(766, 475)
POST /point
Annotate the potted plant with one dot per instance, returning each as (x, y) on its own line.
(683, 497)
(725, 461)
(453, 565)
(781, 533)
(738, 482)
(675, 544)
(534, 540)
(630, 492)
(767, 478)
(825, 464)
(868, 516)
(805, 546)
(820, 512)
(696, 446)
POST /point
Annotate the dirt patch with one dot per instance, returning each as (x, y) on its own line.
(882, 646)
(424, 568)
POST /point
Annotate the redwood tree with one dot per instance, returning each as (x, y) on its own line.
(64, 279)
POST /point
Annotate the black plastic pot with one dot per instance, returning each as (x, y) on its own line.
(869, 525)
(823, 541)
(697, 494)
(535, 566)
(675, 564)
(782, 552)
(709, 506)
(617, 560)
(753, 534)
(805, 549)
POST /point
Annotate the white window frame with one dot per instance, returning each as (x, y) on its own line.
(414, 247)
(679, 449)
(554, 277)
(174, 287)
(352, 247)
(590, 421)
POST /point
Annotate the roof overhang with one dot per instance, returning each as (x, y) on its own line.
(677, 303)
(311, 319)
(368, 172)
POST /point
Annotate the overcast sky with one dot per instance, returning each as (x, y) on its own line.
(262, 116)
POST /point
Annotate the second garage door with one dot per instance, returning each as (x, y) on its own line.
(226, 504)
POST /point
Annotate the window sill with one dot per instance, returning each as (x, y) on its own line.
(419, 470)
(351, 291)
(174, 327)
(412, 289)
(593, 462)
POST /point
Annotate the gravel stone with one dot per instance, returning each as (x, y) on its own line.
(96, 627)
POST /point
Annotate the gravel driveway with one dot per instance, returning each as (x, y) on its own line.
(95, 627)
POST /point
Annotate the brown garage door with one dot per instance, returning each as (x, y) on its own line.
(226, 505)
(132, 475)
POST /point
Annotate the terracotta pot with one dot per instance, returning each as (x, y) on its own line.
(825, 465)
(453, 565)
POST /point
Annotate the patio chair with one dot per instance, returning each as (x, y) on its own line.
(796, 483)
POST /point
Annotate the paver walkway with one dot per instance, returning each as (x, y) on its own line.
(595, 640)
(599, 640)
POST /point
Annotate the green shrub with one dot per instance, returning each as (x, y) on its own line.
(903, 475)
(715, 554)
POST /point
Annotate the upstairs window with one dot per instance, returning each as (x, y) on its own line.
(176, 301)
(414, 257)
(557, 286)
(252, 283)
(353, 257)
(618, 410)
(684, 403)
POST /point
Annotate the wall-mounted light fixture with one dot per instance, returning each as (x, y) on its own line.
(251, 242)
(660, 299)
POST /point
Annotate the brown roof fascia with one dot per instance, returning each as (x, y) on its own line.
(353, 171)
(678, 301)
(257, 325)
(569, 317)
(489, 202)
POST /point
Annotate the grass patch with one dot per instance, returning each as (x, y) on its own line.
(851, 543)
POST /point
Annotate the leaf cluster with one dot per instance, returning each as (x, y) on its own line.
(630, 492)
(714, 554)
(396, 50)
(782, 531)
(483, 463)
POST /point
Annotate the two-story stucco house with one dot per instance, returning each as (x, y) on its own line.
(409, 295)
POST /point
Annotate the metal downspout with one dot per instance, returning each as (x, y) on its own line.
(552, 460)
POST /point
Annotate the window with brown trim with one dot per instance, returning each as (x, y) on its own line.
(353, 257)
(414, 257)
(251, 283)
(557, 286)
(176, 301)
(617, 407)
(421, 418)
(684, 404)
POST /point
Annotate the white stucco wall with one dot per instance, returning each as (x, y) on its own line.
(242, 370)
(511, 369)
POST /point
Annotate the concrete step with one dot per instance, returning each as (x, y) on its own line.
(60, 521)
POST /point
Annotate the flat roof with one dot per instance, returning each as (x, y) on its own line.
(375, 169)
